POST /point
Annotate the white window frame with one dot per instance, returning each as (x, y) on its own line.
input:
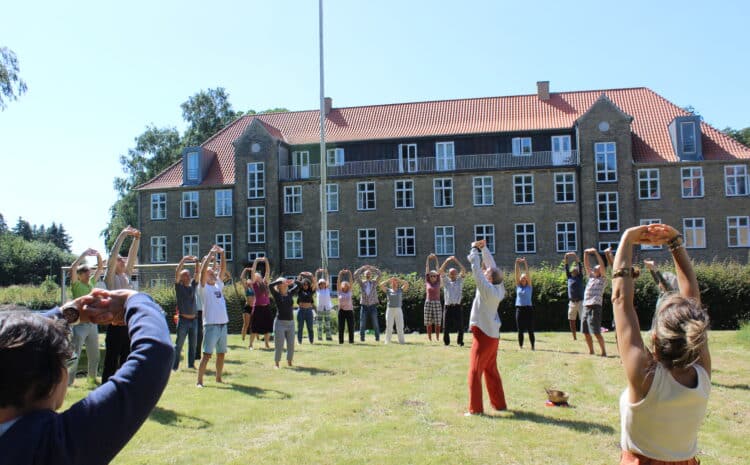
(158, 249)
(408, 160)
(256, 225)
(292, 199)
(561, 151)
(521, 146)
(693, 173)
(527, 230)
(488, 233)
(301, 164)
(650, 179)
(365, 190)
(645, 221)
(332, 197)
(221, 207)
(252, 255)
(193, 166)
(611, 244)
(483, 191)
(738, 224)
(158, 282)
(442, 192)
(256, 180)
(186, 200)
(445, 156)
(159, 206)
(367, 235)
(335, 157)
(606, 202)
(406, 238)
(226, 244)
(334, 243)
(694, 229)
(563, 233)
(567, 184)
(191, 245)
(403, 194)
(692, 131)
(526, 183)
(445, 240)
(738, 179)
(605, 150)
(292, 244)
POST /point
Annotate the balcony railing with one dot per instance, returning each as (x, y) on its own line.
(491, 161)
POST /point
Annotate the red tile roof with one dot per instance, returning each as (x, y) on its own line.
(651, 115)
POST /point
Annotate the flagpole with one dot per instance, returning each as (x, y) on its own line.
(323, 161)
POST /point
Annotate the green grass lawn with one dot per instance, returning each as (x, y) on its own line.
(369, 403)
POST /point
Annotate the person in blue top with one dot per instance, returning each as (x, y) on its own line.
(524, 307)
(34, 351)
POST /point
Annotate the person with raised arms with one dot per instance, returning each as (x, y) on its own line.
(453, 285)
(82, 283)
(187, 323)
(262, 317)
(591, 318)
(283, 291)
(215, 317)
(394, 288)
(346, 305)
(325, 304)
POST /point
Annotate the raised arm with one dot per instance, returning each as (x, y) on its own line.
(526, 270)
(404, 285)
(656, 274)
(244, 278)
(133, 251)
(610, 258)
(76, 263)
(309, 276)
(198, 268)
(206, 266)
(517, 270)
(376, 273)
(442, 268)
(427, 263)
(382, 285)
(568, 257)
(109, 278)
(99, 266)
(180, 266)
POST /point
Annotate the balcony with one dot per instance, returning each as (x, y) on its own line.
(485, 162)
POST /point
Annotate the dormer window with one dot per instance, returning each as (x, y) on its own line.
(193, 171)
(522, 146)
(688, 136)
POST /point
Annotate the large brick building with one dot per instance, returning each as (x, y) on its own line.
(537, 175)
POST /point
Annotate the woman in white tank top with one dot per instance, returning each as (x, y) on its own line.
(669, 381)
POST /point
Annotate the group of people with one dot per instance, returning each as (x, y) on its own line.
(662, 407)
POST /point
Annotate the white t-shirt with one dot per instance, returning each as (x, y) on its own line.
(214, 305)
(324, 299)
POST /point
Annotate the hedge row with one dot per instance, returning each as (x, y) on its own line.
(725, 291)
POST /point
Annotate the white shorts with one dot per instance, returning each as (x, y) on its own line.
(574, 308)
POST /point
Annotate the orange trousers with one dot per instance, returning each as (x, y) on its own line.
(483, 360)
(631, 458)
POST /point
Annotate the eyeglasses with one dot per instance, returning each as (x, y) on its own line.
(70, 362)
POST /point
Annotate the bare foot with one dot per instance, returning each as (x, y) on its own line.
(289, 362)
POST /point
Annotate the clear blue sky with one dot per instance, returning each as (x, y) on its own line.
(99, 72)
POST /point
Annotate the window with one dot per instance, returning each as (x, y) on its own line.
(368, 242)
(292, 199)
(650, 221)
(738, 231)
(688, 136)
(445, 240)
(445, 157)
(604, 245)
(256, 180)
(405, 242)
(190, 204)
(521, 146)
(735, 180)
(293, 245)
(333, 243)
(335, 157)
(332, 197)
(159, 249)
(648, 184)
(483, 191)
(486, 232)
(442, 189)
(525, 238)
(403, 193)
(192, 166)
(523, 188)
(251, 256)
(190, 246)
(225, 242)
(407, 158)
(223, 203)
(694, 230)
(692, 182)
(301, 164)
(256, 225)
(158, 282)
(606, 161)
(607, 212)
(567, 239)
(365, 196)
(561, 153)
(565, 187)
(159, 206)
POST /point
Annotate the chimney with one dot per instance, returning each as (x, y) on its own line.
(542, 90)
(328, 105)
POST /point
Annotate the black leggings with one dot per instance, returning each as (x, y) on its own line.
(525, 322)
(117, 349)
(348, 317)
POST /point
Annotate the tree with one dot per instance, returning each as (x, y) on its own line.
(58, 236)
(3, 225)
(740, 135)
(11, 85)
(206, 112)
(23, 229)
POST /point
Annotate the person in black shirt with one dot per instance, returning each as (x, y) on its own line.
(283, 291)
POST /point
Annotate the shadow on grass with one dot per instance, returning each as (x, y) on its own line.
(179, 420)
(578, 425)
(314, 371)
(577, 353)
(744, 387)
(252, 391)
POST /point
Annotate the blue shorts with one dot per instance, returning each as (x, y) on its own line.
(215, 336)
